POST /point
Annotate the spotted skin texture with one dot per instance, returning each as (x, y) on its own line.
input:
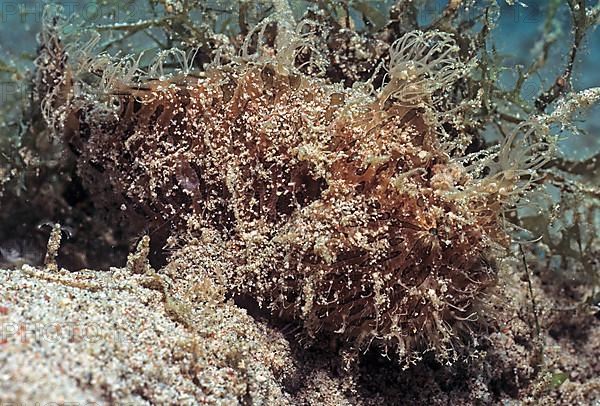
(324, 204)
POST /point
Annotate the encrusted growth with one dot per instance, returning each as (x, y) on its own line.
(336, 207)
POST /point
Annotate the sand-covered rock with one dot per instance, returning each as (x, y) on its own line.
(113, 337)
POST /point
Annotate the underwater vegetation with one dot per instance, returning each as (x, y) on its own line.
(368, 178)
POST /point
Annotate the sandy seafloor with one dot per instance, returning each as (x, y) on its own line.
(118, 337)
(104, 338)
